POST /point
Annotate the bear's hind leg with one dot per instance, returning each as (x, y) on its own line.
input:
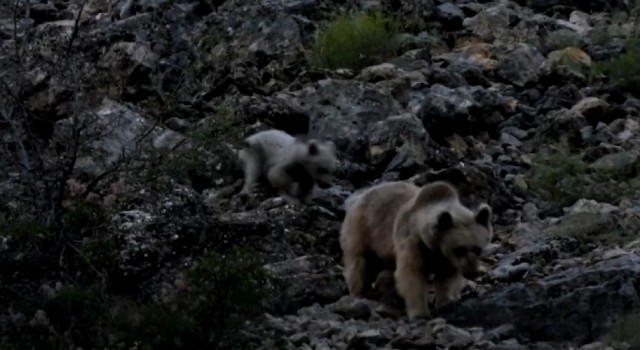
(355, 270)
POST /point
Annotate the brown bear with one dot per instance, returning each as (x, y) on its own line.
(424, 234)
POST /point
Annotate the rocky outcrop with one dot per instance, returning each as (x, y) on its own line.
(140, 108)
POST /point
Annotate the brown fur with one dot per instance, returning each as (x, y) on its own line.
(424, 234)
(365, 234)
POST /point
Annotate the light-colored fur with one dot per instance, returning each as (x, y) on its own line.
(270, 153)
(393, 219)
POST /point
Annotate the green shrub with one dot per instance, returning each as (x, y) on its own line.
(224, 291)
(355, 41)
(623, 71)
(626, 331)
(206, 154)
(563, 177)
(554, 176)
(76, 312)
(562, 38)
(83, 217)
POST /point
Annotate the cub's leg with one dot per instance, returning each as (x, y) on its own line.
(410, 282)
(251, 166)
(279, 179)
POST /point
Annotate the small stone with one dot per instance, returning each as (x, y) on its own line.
(299, 338)
(384, 71)
(388, 312)
(520, 182)
(371, 337)
(618, 163)
(450, 15)
(453, 337)
(595, 346)
(356, 309)
(177, 124)
(592, 108)
(510, 272)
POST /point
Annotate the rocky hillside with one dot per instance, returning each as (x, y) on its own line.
(120, 223)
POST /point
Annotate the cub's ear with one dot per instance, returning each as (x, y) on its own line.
(313, 148)
(302, 138)
(483, 215)
(331, 146)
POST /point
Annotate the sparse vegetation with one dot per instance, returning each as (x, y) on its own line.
(193, 160)
(563, 177)
(355, 41)
(562, 38)
(69, 278)
(121, 225)
(222, 291)
(623, 71)
(625, 332)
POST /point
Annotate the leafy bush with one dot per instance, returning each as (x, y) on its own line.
(564, 177)
(223, 292)
(623, 71)
(207, 146)
(355, 41)
(626, 331)
(562, 38)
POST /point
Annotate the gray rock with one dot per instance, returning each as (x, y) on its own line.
(415, 12)
(621, 164)
(490, 23)
(456, 338)
(398, 143)
(562, 125)
(450, 15)
(110, 133)
(276, 112)
(351, 308)
(592, 108)
(475, 183)
(591, 6)
(510, 270)
(306, 280)
(567, 297)
(464, 110)
(520, 65)
(354, 106)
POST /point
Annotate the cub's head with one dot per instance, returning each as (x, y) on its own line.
(463, 238)
(319, 160)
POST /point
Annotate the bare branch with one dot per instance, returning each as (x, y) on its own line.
(76, 24)
(22, 151)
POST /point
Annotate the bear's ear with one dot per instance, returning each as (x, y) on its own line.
(483, 215)
(313, 148)
(444, 222)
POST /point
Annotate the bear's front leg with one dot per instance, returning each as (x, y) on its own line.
(411, 284)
